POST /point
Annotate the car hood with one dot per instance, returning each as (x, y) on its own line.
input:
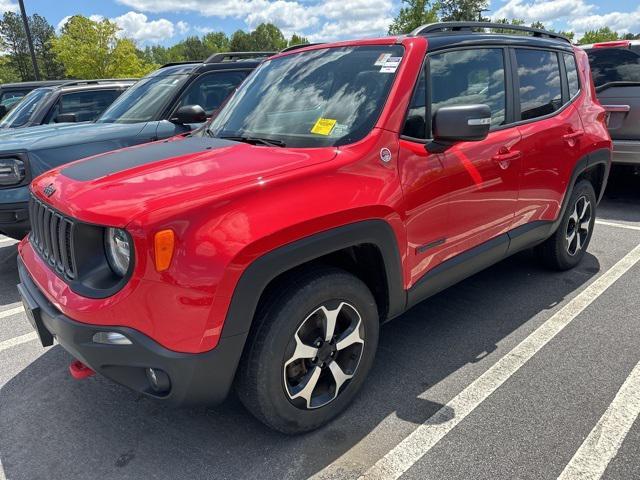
(114, 188)
(61, 134)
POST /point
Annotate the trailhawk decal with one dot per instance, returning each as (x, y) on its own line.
(122, 160)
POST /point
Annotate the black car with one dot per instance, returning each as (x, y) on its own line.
(11, 92)
(75, 101)
(616, 73)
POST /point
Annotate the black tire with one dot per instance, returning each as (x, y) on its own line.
(262, 382)
(558, 252)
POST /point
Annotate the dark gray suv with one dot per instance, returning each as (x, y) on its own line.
(616, 73)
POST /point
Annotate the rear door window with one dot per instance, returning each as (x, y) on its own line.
(613, 65)
(540, 91)
(86, 105)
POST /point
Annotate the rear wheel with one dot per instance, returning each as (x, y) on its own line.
(566, 248)
(310, 351)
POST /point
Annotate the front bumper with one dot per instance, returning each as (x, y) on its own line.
(626, 152)
(14, 219)
(196, 379)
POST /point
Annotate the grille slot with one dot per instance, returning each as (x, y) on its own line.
(51, 236)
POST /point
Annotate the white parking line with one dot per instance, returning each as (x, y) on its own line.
(604, 441)
(12, 342)
(404, 455)
(618, 225)
(7, 241)
(11, 311)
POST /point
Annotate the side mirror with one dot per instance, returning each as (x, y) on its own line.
(66, 118)
(461, 123)
(189, 114)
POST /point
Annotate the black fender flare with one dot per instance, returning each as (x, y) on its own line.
(264, 269)
(601, 156)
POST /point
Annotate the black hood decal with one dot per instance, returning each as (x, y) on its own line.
(119, 161)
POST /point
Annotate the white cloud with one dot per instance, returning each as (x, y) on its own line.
(182, 27)
(139, 28)
(319, 20)
(623, 22)
(543, 10)
(8, 6)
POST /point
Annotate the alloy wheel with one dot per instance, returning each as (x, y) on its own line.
(578, 226)
(323, 355)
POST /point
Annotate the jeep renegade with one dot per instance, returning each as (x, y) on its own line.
(340, 185)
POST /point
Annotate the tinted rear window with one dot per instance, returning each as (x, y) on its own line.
(610, 65)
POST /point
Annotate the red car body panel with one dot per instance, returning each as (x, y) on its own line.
(232, 205)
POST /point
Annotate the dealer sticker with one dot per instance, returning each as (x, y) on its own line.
(324, 126)
(391, 65)
(382, 59)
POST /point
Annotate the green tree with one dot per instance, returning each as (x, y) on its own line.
(414, 14)
(297, 40)
(462, 10)
(240, 41)
(192, 49)
(91, 49)
(43, 35)
(216, 42)
(7, 73)
(13, 40)
(604, 34)
(267, 38)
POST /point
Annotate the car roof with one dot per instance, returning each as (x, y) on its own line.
(36, 84)
(611, 44)
(217, 61)
(94, 85)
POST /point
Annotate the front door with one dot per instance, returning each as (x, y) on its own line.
(483, 175)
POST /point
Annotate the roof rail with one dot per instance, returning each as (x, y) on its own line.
(186, 62)
(298, 46)
(97, 81)
(470, 26)
(237, 56)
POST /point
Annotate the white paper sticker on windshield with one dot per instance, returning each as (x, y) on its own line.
(391, 65)
(382, 59)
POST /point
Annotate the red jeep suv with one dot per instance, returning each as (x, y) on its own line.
(341, 184)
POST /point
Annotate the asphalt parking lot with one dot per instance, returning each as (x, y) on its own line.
(517, 372)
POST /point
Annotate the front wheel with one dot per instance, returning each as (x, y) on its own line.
(310, 351)
(567, 246)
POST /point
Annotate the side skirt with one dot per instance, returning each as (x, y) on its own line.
(478, 258)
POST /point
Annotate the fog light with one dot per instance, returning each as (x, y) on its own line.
(111, 338)
(159, 380)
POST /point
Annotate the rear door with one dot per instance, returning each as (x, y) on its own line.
(550, 127)
(616, 74)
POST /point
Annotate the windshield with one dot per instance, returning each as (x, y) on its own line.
(144, 101)
(21, 114)
(325, 97)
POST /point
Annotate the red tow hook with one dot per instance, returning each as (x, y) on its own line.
(80, 371)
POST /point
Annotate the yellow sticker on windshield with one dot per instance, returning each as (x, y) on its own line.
(324, 126)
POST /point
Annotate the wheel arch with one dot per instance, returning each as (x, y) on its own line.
(367, 237)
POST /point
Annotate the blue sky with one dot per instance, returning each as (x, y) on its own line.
(168, 21)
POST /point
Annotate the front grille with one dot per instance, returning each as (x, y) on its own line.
(52, 237)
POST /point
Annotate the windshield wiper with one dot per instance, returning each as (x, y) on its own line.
(269, 142)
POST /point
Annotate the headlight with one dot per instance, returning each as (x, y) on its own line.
(118, 248)
(11, 171)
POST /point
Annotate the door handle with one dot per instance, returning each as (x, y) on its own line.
(571, 138)
(505, 158)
